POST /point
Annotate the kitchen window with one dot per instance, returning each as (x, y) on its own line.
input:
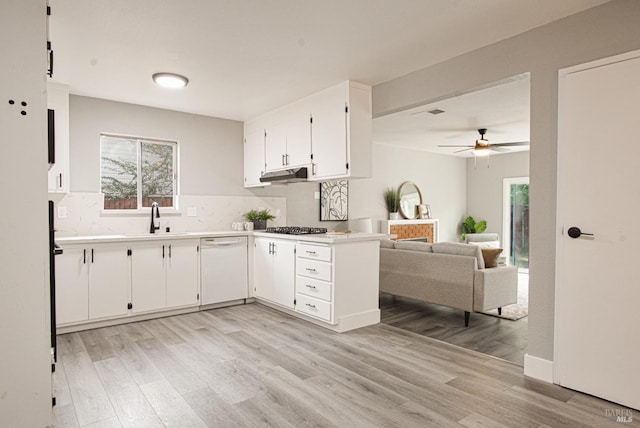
(135, 172)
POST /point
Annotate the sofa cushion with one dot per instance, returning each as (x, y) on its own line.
(459, 249)
(414, 246)
(386, 243)
(490, 256)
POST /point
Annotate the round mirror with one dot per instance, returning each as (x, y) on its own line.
(410, 198)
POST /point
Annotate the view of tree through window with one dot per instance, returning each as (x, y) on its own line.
(135, 173)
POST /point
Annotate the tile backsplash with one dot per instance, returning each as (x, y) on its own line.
(81, 214)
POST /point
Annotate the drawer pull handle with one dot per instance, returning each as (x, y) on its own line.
(310, 305)
(310, 269)
(310, 252)
(310, 286)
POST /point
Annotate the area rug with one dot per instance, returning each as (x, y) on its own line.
(517, 310)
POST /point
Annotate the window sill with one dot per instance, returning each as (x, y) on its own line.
(170, 212)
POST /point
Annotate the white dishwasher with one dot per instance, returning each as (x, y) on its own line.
(223, 268)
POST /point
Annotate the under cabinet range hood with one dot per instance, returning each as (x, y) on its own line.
(286, 175)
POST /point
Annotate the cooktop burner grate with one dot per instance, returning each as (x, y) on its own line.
(296, 230)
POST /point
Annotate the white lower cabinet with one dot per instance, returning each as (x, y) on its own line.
(314, 281)
(274, 264)
(338, 284)
(148, 277)
(92, 282)
(115, 280)
(183, 271)
(164, 275)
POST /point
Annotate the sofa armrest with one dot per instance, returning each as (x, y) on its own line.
(495, 287)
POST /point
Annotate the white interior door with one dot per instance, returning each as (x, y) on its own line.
(598, 285)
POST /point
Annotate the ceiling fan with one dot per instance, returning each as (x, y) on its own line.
(482, 146)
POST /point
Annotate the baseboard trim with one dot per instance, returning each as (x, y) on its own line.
(538, 368)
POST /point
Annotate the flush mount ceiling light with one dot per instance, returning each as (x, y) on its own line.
(170, 80)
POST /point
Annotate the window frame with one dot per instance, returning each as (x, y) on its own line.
(140, 210)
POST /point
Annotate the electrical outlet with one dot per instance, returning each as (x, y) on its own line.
(316, 195)
(192, 212)
(62, 212)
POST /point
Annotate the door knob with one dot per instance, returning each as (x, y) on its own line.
(575, 232)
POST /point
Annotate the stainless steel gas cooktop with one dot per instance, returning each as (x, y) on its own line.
(296, 230)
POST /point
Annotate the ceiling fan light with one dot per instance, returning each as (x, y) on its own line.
(480, 150)
(170, 80)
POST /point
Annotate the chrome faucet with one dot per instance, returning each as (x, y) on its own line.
(155, 224)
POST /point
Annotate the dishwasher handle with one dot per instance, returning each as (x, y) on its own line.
(214, 243)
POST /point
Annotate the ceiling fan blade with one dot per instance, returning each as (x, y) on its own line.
(463, 150)
(516, 143)
(455, 145)
(498, 149)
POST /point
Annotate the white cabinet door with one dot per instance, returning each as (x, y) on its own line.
(148, 277)
(284, 274)
(72, 285)
(263, 268)
(58, 101)
(182, 273)
(298, 138)
(275, 146)
(254, 163)
(329, 132)
(109, 280)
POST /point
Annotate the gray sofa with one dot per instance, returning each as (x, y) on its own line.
(446, 273)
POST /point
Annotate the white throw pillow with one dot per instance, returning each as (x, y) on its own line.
(486, 244)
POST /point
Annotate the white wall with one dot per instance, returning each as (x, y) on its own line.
(25, 358)
(210, 169)
(210, 149)
(600, 32)
(442, 180)
(484, 186)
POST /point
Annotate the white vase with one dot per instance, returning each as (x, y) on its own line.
(394, 216)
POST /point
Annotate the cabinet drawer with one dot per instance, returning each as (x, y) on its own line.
(313, 269)
(314, 307)
(313, 287)
(314, 252)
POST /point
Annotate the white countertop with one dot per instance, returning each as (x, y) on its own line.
(149, 236)
(328, 238)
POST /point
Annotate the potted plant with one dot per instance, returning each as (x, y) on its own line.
(259, 218)
(469, 225)
(392, 200)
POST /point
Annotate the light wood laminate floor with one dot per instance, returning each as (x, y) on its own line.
(251, 366)
(490, 335)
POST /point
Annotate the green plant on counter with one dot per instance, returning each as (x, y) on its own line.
(469, 225)
(392, 199)
(257, 215)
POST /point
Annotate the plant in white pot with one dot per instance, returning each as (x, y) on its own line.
(392, 200)
(469, 225)
(259, 218)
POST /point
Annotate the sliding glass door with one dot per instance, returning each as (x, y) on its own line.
(516, 221)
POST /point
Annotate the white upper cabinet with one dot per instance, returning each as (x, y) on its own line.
(254, 163)
(328, 132)
(58, 101)
(288, 137)
(341, 143)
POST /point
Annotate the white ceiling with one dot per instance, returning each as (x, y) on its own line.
(502, 109)
(245, 57)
